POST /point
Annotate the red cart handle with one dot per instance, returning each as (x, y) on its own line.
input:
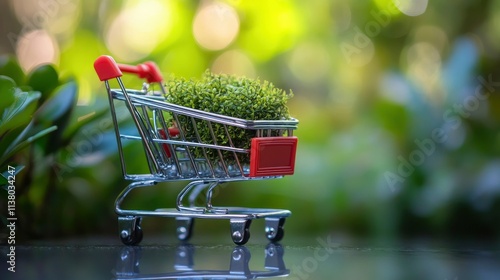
(106, 68)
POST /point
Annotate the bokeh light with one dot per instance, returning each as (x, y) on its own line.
(36, 48)
(271, 28)
(138, 29)
(234, 62)
(434, 35)
(59, 18)
(64, 18)
(389, 7)
(424, 62)
(215, 25)
(26, 12)
(412, 7)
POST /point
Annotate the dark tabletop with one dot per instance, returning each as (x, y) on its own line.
(320, 257)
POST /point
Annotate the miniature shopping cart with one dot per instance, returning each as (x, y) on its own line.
(175, 151)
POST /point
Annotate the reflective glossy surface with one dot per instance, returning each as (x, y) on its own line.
(323, 257)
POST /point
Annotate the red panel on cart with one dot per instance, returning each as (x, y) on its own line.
(272, 156)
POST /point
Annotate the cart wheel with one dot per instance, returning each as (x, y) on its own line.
(274, 229)
(240, 231)
(184, 228)
(132, 239)
(130, 230)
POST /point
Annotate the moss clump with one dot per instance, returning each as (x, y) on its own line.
(239, 97)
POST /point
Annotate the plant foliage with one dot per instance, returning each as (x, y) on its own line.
(239, 97)
(36, 130)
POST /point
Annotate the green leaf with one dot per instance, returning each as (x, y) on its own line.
(19, 143)
(20, 112)
(75, 126)
(7, 91)
(57, 111)
(9, 138)
(56, 107)
(44, 79)
(5, 175)
(9, 67)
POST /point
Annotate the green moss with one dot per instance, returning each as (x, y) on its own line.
(239, 97)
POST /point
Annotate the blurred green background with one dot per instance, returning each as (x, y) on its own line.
(397, 101)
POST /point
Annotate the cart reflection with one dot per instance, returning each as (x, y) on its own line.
(129, 262)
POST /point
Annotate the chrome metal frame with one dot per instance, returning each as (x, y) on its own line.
(148, 113)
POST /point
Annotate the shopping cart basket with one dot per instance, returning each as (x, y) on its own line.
(175, 151)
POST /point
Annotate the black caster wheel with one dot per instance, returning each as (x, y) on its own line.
(130, 230)
(240, 231)
(274, 229)
(132, 239)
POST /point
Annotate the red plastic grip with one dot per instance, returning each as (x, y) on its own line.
(106, 68)
(148, 70)
(272, 156)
